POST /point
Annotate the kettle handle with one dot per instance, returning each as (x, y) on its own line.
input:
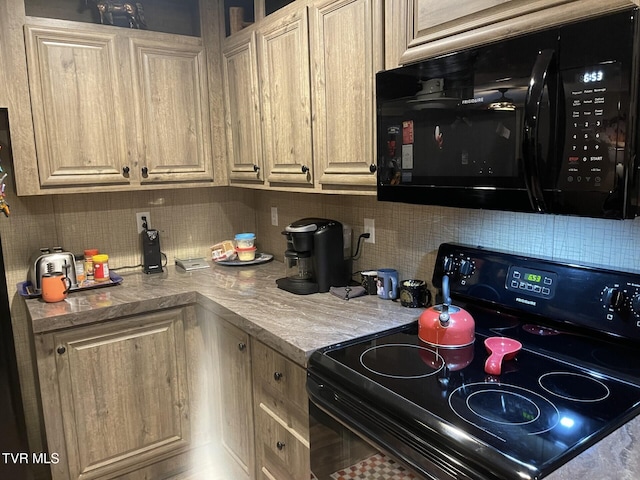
(446, 298)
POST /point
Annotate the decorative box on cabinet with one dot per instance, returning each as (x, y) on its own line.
(118, 397)
(282, 416)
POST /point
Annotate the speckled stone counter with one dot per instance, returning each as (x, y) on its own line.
(293, 325)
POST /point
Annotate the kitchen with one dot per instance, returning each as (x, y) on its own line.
(190, 220)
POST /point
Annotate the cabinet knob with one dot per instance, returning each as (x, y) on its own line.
(256, 168)
(145, 171)
(125, 171)
(61, 349)
(304, 169)
(242, 346)
(372, 168)
(277, 376)
(280, 445)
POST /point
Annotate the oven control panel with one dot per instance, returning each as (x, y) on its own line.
(587, 296)
(530, 281)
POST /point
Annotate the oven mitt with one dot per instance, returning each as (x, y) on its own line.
(347, 292)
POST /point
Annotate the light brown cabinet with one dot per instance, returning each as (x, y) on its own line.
(281, 413)
(242, 110)
(115, 109)
(283, 50)
(120, 396)
(420, 29)
(346, 51)
(314, 98)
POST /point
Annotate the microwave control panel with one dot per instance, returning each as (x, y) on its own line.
(595, 128)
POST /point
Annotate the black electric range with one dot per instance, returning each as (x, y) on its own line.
(576, 379)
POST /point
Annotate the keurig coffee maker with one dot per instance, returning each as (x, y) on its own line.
(314, 259)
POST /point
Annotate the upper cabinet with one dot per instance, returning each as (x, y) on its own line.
(114, 109)
(306, 73)
(346, 53)
(242, 110)
(419, 29)
(283, 47)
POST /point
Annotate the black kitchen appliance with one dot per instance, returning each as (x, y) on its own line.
(546, 122)
(151, 255)
(314, 259)
(436, 410)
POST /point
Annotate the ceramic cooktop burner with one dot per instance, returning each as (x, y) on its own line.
(421, 361)
(575, 387)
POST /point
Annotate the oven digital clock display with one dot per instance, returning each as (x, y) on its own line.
(532, 277)
(531, 282)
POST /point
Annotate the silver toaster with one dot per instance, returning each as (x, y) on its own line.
(51, 260)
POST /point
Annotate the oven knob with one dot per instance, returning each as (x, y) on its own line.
(613, 298)
(466, 267)
(448, 264)
(635, 304)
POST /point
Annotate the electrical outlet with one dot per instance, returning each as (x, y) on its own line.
(140, 222)
(274, 216)
(370, 228)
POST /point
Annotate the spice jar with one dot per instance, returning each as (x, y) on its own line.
(88, 262)
(101, 267)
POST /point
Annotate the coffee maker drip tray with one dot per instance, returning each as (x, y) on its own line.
(299, 286)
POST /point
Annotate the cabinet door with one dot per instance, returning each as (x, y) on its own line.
(115, 395)
(346, 51)
(79, 103)
(436, 27)
(242, 111)
(173, 112)
(283, 50)
(236, 401)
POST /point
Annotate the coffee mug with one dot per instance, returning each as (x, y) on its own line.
(414, 293)
(369, 281)
(55, 287)
(388, 283)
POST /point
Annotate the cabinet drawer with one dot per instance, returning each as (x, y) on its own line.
(279, 384)
(283, 455)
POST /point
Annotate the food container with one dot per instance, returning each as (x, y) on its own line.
(100, 267)
(246, 254)
(245, 240)
(224, 250)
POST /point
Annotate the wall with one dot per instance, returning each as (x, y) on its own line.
(408, 236)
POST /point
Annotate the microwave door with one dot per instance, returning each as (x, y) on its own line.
(539, 124)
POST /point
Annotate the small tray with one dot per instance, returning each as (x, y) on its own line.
(25, 289)
(260, 258)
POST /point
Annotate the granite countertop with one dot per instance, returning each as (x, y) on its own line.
(247, 296)
(295, 325)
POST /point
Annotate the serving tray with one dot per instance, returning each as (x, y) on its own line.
(260, 258)
(25, 289)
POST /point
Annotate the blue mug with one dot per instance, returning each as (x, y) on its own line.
(388, 283)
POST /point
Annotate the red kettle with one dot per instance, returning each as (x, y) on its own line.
(446, 325)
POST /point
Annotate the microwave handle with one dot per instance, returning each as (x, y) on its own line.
(531, 150)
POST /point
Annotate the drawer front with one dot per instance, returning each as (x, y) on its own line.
(282, 455)
(280, 384)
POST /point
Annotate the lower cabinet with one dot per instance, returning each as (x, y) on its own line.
(118, 399)
(281, 413)
(174, 394)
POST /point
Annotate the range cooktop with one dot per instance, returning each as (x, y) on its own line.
(566, 389)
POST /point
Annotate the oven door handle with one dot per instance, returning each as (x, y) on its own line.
(541, 76)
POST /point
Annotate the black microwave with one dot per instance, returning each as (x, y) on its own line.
(544, 122)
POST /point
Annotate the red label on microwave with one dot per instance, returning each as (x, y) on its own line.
(407, 132)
